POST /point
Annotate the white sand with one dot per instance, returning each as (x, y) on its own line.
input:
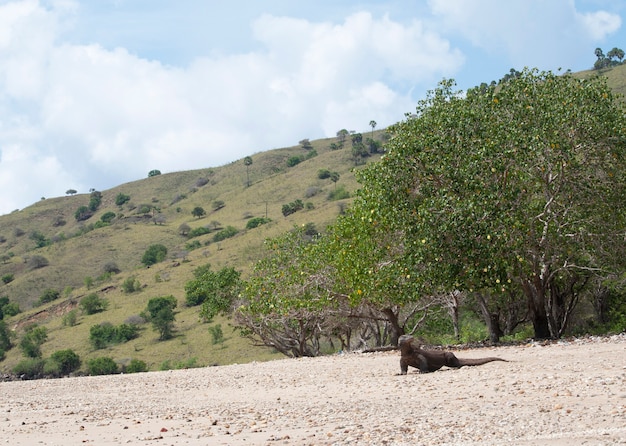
(567, 393)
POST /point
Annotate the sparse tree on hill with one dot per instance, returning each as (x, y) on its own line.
(198, 212)
(247, 161)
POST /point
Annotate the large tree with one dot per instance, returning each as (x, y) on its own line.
(518, 186)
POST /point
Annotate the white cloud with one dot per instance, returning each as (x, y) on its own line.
(532, 33)
(89, 116)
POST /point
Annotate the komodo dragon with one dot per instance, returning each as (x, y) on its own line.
(429, 360)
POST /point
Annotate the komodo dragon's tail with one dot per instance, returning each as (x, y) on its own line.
(479, 361)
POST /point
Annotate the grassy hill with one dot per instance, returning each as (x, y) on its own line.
(78, 255)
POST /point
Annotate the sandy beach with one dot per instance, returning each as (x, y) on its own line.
(570, 392)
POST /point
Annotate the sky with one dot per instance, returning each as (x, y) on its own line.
(97, 93)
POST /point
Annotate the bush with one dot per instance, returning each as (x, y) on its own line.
(105, 334)
(108, 217)
(30, 368)
(154, 173)
(154, 254)
(8, 278)
(294, 161)
(69, 319)
(136, 366)
(36, 262)
(5, 337)
(32, 339)
(48, 296)
(83, 213)
(10, 309)
(227, 232)
(102, 366)
(93, 304)
(292, 207)
(131, 284)
(339, 193)
(196, 232)
(39, 239)
(322, 174)
(256, 222)
(121, 199)
(217, 334)
(112, 268)
(67, 361)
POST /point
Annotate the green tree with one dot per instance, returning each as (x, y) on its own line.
(48, 296)
(215, 290)
(121, 199)
(154, 173)
(83, 213)
(66, 361)
(71, 192)
(5, 337)
(373, 126)
(154, 254)
(160, 311)
(487, 208)
(198, 212)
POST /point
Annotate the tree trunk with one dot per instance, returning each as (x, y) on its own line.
(396, 329)
(491, 319)
(536, 295)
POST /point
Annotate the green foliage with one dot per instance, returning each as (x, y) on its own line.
(30, 368)
(102, 366)
(94, 200)
(136, 366)
(154, 173)
(197, 232)
(180, 365)
(294, 160)
(256, 222)
(160, 311)
(217, 334)
(108, 217)
(66, 361)
(121, 199)
(93, 304)
(218, 204)
(49, 295)
(215, 290)
(292, 207)
(39, 239)
(198, 212)
(105, 334)
(322, 174)
(131, 284)
(5, 337)
(227, 232)
(70, 318)
(339, 193)
(32, 339)
(8, 308)
(154, 254)
(83, 213)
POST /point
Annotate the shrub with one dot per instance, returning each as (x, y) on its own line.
(195, 244)
(294, 161)
(136, 366)
(69, 318)
(83, 213)
(108, 217)
(32, 339)
(256, 222)
(196, 232)
(311, 191)
(111, 267)
(217, 335)
(218, 204)
(5, 337)
(121, 199)
(30, 368)
(154, 173)
(339, 193)
(292, 207)
(48, 296)
(8, 278)
(131, 284)
(93, 304)
(102, 366)
(39, 239)
(94, 200)
(135, 320)
(201, 182)
(227, 232)
(154, 254)
(66, 360)
(10, 309)
(105, 334)
(37, 261)
(144, 209)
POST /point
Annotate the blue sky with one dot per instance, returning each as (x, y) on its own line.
(97, 93)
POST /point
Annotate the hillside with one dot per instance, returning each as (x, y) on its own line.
(78, 255)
